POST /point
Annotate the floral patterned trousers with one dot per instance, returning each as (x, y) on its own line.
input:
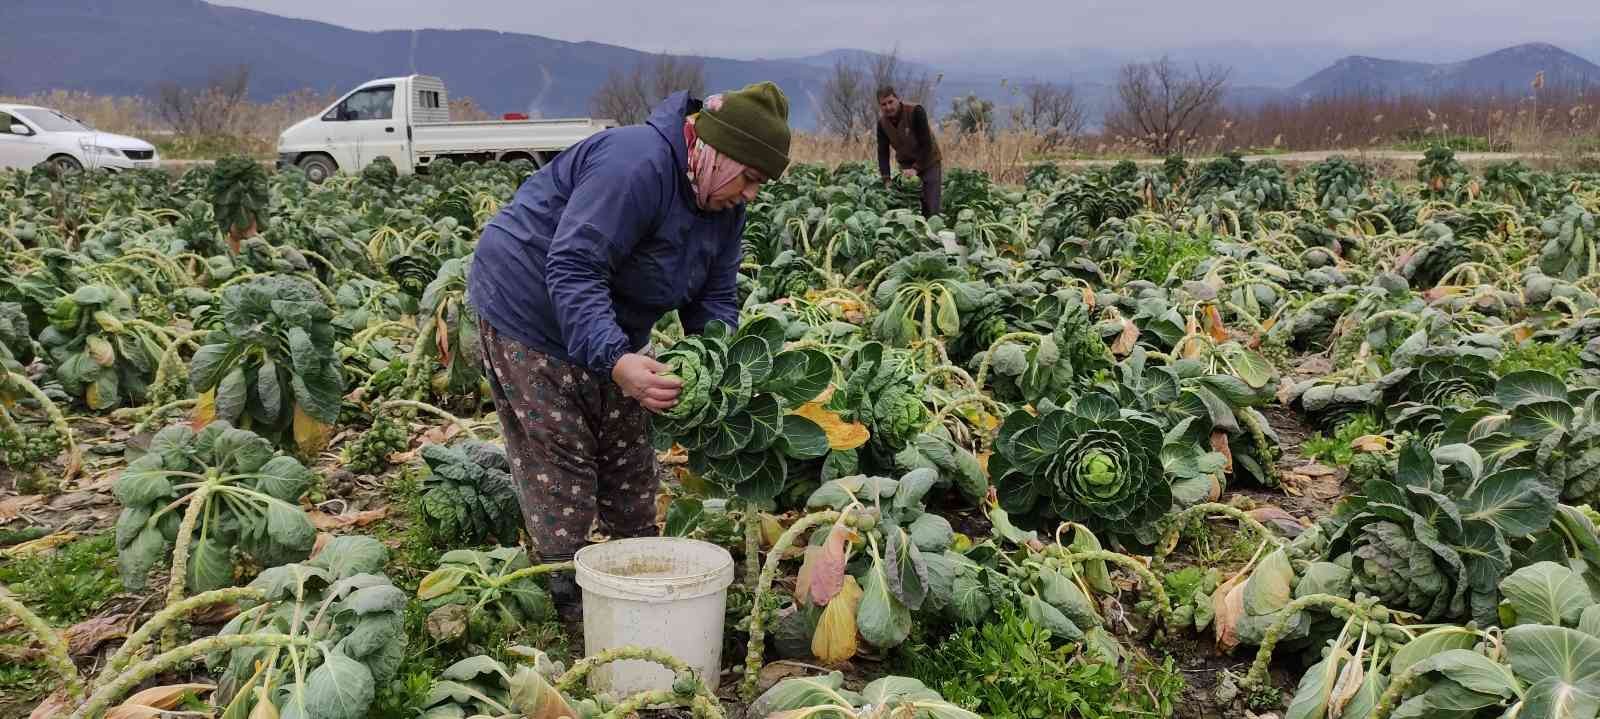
(578, 448)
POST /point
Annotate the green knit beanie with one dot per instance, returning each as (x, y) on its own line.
(751, 126)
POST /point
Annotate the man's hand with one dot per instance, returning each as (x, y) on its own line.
(636, 375)
(909, 172)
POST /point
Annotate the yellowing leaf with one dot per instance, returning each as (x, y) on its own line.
(835, 641)
(38, 546)
(311, 435)
(100, 350)
(771, 530)
(151, 702)
(441, 581)
(842, 435)
(205, 409)
(1227, 606)
(1127, 340)
(1214, 325)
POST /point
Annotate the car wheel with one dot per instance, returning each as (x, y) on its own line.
(318, 167)
(65, 163)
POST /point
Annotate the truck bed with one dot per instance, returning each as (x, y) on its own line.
(451, 138)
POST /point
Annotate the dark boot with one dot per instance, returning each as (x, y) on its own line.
(564, 591)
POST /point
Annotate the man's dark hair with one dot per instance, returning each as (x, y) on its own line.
(886, 91)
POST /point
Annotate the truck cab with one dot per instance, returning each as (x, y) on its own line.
(407, 120)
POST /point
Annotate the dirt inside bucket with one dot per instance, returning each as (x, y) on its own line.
(640, 567)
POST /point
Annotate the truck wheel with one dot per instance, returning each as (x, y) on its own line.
(65, 163)
(318, 167)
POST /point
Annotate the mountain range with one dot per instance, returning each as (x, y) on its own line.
(123, 47)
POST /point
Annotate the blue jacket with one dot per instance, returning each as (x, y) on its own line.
(597, 246)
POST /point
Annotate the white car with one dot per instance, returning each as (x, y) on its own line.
(31, 136)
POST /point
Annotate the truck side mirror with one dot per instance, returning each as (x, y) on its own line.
(18, 128)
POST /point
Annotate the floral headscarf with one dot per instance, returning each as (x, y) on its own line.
(709, 170)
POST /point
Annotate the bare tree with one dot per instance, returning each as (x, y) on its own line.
(209, 110)
(1164, 106)
(628, 97)
(1053, 111)
(671, 73)
(847, 102)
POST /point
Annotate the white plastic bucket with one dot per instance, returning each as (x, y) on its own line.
(666, 593)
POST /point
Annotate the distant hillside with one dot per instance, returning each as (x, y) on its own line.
(1508, 70)
(128, 48)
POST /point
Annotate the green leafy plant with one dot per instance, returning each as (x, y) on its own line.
(348, 616)
(825, 697)
(239, 197)
(271, 366)
(495, 588)
(1091, 462)
(734, 411)
(102, 352)
(211, 501)
(467, 495)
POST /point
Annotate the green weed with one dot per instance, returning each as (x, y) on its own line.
(1557, 359)
(65, 586)
(1011, 668)
(1337, 450)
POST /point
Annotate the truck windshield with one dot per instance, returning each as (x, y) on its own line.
(373, 103)
(51, 121)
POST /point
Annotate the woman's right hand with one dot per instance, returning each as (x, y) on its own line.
(636, 375)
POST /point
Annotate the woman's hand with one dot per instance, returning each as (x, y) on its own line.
(636, 375)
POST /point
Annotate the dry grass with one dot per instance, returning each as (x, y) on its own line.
(1003, 155)
(1560, 125)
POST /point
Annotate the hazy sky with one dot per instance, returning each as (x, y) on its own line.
(1420, 29)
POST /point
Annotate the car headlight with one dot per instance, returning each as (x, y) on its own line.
(101, 150)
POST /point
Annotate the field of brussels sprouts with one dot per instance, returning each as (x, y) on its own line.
(1197, 439)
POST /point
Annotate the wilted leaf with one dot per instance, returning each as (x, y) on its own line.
(12, 507)
(1219, 444)
(55, 705)
(325, 522)
(447, 623)
(1227, 606)
(151, 702)
(38, 546)
(1276, 518)
(86, 636)
(835, 641)
(827, 573)
(311, 435)
(1127, 340)
(842, 435)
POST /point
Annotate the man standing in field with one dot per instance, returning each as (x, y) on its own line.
(905, 127)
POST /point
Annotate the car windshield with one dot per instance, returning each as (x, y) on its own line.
(51, 121)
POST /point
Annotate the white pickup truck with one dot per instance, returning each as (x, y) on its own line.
(407, 119)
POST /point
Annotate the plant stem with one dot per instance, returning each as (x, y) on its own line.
(97, 704)
(532, 571)
(1258, 671)
(1146, 577)
(172, 612)
(581, 670)
(180, 554)
(55, 645)
(758, 638)
(1176, 522)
